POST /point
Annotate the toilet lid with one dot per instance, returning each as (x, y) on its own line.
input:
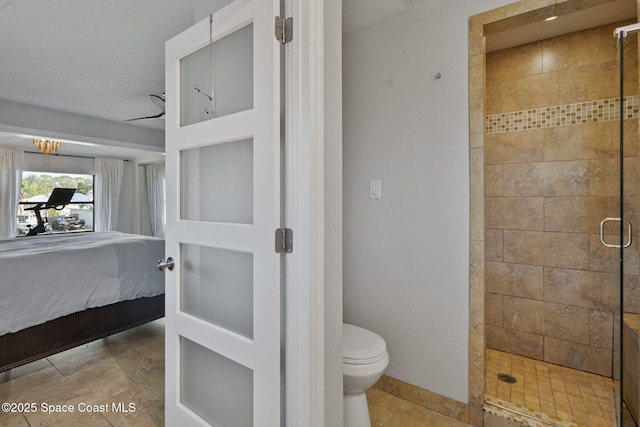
(361, 346)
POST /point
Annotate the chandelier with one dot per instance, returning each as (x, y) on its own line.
(46, 146)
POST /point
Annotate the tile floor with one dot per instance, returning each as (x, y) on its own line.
(126, 368)
(387, 410)
(129, 368)
(559, 395)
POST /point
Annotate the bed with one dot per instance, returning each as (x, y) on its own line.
(62, 290)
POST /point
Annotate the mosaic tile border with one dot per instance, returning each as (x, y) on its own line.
(523, 414)
(563, 115)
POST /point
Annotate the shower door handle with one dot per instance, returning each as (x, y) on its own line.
(609, 245)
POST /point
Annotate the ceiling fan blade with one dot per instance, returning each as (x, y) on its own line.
(157, 116)
(157, 100)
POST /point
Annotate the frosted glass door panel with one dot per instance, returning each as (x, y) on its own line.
(216, 285)
(217, 389)
(226, 66)
(217, 183)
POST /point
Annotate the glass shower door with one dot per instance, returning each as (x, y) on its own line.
(628, 398)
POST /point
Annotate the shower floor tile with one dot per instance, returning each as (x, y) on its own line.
(547, 394)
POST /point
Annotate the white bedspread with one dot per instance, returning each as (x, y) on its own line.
(49, 276)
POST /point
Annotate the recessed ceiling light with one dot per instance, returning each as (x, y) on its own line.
(551, 18)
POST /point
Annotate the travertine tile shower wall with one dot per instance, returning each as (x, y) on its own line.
(551, 176)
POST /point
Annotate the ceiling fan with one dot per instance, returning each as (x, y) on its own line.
(158, 101)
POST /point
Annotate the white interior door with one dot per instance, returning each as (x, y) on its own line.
(223, 207)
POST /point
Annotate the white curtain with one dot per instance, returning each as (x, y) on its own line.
(10, 182)
(152, 198)
(107, 193)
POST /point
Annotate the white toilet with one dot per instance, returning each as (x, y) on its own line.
(364, 359)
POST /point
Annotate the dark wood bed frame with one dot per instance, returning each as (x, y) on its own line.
(76, 329)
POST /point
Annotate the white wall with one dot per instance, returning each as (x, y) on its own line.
(204, 8)
(406, 258)
(33, 120)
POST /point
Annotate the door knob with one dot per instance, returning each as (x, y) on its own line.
(163, 265)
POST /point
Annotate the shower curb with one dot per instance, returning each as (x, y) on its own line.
(522, 414)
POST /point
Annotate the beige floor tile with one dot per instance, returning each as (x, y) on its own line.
(129, 368)
(75, 419)
(94, 385)
(147, 408)
(556, 391)
(387, 410)
(24, 370)
(517, 397)
(121, 369)
(13, 420)
(381, 407)
(85, 356)
(17, 387)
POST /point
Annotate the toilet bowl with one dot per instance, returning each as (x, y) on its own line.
(364, 359)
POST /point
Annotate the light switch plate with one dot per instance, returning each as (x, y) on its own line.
(375, 189)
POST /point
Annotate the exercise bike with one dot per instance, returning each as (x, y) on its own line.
(59, 198)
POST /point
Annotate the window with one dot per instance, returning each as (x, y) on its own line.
(36, 187)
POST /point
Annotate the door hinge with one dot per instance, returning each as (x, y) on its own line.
(284, 29)
(284, 240)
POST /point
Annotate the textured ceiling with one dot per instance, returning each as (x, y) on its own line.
(99, 58)
(102, 58)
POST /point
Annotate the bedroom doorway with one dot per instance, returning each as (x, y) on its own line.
(223, 295)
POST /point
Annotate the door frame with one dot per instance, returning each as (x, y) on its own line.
(510, 15)
(313, 111)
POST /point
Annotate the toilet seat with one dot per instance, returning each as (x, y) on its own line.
(361, 346)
